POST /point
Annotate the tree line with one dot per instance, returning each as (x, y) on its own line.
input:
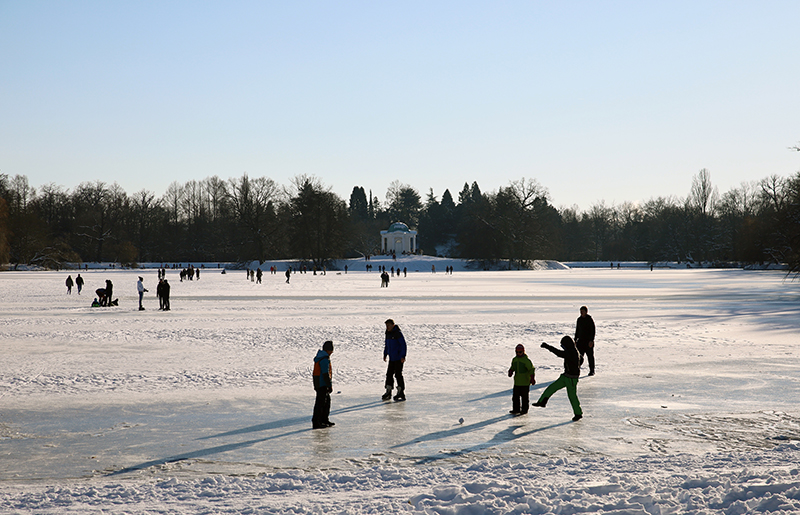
(243, 219)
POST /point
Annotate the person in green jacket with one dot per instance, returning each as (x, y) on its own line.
(524, 376)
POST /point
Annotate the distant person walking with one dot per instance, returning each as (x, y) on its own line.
(523, 372)
(69, 284)
(568, 380)
(288, 274)
(323, 385)
(395, 350)
(584, 337)
(79, 283)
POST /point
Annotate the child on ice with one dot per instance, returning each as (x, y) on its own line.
(524, 376)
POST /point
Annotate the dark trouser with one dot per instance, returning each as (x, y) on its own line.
(166, 303)
(160, 302)
(519, 400)
(395, 369)
(589, 351)
(322, 407)
(141, 294)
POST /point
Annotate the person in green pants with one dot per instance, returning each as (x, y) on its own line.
(568, 380)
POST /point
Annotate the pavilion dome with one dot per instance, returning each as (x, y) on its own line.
(398, 227)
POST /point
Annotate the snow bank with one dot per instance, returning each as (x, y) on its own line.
(733, 484)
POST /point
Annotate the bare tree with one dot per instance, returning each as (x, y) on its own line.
(253, 204)
(703, 195)
(172, 201)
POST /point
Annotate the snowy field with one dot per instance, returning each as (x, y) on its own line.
(206, 408)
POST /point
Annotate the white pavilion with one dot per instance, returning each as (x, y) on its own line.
(398, 239)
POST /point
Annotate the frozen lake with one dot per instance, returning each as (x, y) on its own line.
(207, 407)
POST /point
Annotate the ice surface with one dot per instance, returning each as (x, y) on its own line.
(206, 408)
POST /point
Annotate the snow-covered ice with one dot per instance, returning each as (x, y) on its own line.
(206, 408)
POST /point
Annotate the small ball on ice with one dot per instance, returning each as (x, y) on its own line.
(461, 420)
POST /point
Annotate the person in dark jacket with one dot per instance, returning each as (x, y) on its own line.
(165, 294)
(323, 385)
(568, 380)
(109, 292)
(69, 284)
(160, 292)
(101, 296)
(79, 283)
(395, 350)
(584, 337)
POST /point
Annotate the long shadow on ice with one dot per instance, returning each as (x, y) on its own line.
(202, 452)
(507, 393)
(239, 445)
(287, 422)
(504, 436)
(438, 435)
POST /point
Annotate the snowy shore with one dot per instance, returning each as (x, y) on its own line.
(206, 408)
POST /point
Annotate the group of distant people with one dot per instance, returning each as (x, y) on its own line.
(190, 273)
(572, 351)
(447, 270)
(162, 292)
(105, 296)
(77, 282)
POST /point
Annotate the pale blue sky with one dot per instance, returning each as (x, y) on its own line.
(614, 101)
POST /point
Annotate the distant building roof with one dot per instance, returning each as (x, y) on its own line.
(398, 227)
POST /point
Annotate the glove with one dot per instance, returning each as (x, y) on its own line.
(544, 345)
(533, 380)
(510, 372)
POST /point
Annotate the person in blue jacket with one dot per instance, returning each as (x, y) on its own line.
(323, 385)
(395, 350)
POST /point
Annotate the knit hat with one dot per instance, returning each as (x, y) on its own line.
(521, 347)
(327, 346)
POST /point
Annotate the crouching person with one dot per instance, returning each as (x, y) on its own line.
(568, 380)
(323, 385)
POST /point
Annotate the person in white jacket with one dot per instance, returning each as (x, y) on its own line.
(140, 287)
